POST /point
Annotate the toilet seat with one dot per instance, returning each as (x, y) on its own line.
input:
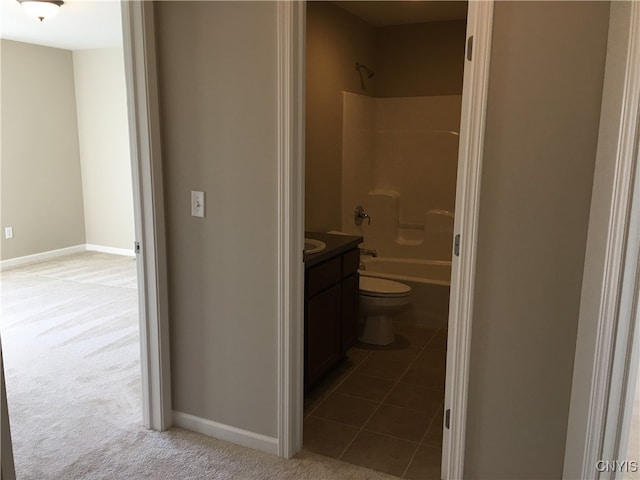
(379, 287)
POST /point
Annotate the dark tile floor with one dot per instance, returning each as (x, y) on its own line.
(383, 407)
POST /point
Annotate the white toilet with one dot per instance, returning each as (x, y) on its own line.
(380, 299)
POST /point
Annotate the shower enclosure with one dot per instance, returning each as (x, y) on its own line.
(399, 161)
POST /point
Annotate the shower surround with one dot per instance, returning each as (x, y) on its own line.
(400, 158)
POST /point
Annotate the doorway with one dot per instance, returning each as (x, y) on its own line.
(69, 315)
(149, 216)
(367, 74)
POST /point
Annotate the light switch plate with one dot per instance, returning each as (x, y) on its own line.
(8, 232)
(197, 204)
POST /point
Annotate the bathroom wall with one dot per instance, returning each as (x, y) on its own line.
(420, 59)
(400, 158)
(545, 91)
(105, 158)
(41, 185)
(409, 60)
(336, 40)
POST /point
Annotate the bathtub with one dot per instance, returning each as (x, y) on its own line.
(429, 280)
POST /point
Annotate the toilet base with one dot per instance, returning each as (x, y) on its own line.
(378, 330)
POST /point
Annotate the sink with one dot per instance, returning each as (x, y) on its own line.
(313, 246)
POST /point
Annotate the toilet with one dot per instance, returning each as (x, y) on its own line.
(380, 299)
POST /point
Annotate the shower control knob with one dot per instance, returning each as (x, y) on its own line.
(360, 215)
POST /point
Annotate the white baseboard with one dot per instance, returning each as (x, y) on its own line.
(115, 251)
(40, 257)
(228, 433)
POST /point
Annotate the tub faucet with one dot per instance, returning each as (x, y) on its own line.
(368, 251)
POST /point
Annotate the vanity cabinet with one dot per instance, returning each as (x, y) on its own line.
(331, 309)
(350, 286)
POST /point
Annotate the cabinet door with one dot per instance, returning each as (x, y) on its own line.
(350, 311)
(322, 335)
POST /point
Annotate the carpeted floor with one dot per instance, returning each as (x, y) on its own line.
(71, 349)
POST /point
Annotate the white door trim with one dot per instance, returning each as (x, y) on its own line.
(624, 361)
(471, 147)
(598, 433)
(623, 365)
(291, 78)
(144, 127)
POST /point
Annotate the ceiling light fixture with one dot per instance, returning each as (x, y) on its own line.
(41, 8)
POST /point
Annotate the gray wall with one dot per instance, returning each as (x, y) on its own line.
(218, 84)
(547, 68)
(105, 157)
(40, 160)
(420, 59)
(66, 167)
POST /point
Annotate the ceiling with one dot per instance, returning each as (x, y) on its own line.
(83, 24)
(79, 24)
(381, 13)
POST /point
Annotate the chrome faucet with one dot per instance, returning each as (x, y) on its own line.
(360, 215)
(368, 251)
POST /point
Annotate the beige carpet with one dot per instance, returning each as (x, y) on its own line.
(71, 350)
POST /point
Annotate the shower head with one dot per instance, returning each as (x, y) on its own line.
(370, 73)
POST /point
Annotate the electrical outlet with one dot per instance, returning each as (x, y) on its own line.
(197, 204)
(8, 232)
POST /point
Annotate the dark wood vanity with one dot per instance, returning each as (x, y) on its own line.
(330, 303)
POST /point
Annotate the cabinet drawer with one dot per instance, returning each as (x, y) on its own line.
(350, 262)
(323, 276)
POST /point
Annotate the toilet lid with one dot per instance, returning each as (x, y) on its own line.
(380, 287)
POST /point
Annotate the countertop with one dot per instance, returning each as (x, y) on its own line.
(336, 245)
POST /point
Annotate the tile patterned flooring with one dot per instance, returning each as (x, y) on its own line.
(383, 407)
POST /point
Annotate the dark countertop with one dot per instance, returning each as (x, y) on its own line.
(336, 245)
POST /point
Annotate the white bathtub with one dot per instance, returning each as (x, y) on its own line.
(408, 269)
(429, 280)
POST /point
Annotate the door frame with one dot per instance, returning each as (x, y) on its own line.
(291, 46)
(463, 267)
(291, 71)
(144, 127)
(607, 348)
